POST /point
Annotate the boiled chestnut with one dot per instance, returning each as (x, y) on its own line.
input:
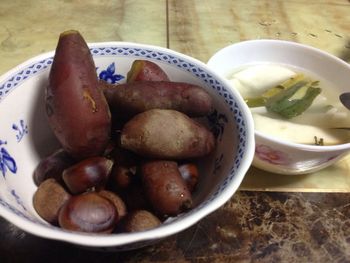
(116, 200)
(140, 220)
(88, 212)
(89, 173)
(123, 173)
(52, 166)
(49, 198)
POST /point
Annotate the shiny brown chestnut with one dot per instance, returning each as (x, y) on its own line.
(116, 200)
(89, 173)
(52, 166)
(88, 212)
(124, 172)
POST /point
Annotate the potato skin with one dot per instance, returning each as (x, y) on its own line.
(137, 97)
(76, 108)
(166, 134)
(165, 188)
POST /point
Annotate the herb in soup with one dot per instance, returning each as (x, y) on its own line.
(290, 98)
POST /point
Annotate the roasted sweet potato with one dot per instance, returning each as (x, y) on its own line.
(76, 108)
(189, 172)
(165, 188)
(140, 96)
(166, 134)
(142, 70)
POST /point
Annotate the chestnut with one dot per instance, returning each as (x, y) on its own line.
(89, 173)
(140, 220)
(124, 172)
(49, 198)
(122, 176)
(116, 200)
(52, 166)
(88, 212)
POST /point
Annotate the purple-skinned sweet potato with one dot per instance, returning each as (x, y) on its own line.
(145, 70)
(165, 188)
(76, 108)
(166, 134)
(137, 97)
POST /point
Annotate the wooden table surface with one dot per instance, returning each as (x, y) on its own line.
(283, 225)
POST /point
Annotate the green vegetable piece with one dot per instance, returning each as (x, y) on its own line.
(255, 102)
(288, 103)
(283, 86)
(261, 100)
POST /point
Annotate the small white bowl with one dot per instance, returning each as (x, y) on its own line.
(25, 138)
(273, 154)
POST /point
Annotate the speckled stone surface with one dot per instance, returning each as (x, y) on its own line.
(251, 227)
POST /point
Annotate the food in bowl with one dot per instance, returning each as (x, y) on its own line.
(285, 155)
(26, 139)
(285, 101)
(155, 133)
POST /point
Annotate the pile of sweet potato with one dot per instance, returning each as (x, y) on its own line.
(128, 151)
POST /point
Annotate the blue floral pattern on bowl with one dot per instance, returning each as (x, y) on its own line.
(21, 129)
(7, 162)
(109, 75)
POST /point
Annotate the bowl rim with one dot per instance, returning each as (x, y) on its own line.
(45, 230)
(286, 43)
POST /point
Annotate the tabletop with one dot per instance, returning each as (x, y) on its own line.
(264, 221)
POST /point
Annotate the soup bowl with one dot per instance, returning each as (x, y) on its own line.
(26, 138)
(273, 154)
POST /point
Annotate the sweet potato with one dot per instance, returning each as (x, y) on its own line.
(142, 70)
(166, 134)
(76, 108)
(165, 188)
(190, 173)
(140, 96)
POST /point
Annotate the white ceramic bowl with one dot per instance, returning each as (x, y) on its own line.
(272, 154)
(25, 138)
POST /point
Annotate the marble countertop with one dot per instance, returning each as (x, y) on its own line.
(291, 222)
(251, 227)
